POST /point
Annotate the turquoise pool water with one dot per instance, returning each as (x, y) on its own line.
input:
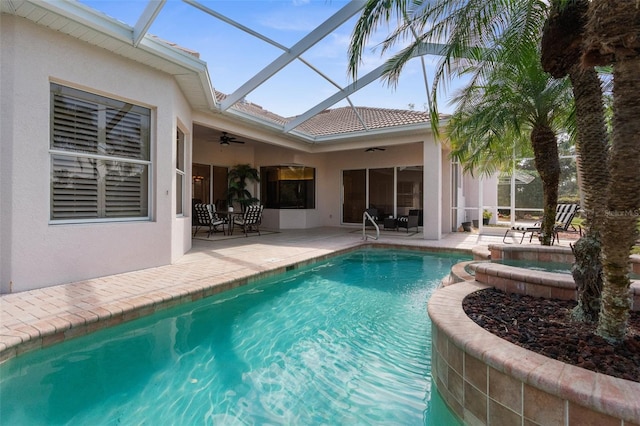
(558, 267)
(346, 341)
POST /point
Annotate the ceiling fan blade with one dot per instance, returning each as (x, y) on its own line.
(225, 139)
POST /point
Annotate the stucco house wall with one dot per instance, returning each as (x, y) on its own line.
(35, 252)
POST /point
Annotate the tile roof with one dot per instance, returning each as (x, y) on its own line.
(338, 120)
(259, 112)
(347, 119)
(177, 46)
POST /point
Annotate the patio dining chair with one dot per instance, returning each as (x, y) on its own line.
(250, 220)
(564, 215)
(205, 215)
(410, 221)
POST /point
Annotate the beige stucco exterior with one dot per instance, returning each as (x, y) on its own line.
(35, 253)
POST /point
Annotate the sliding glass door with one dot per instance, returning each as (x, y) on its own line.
(381, 191)
(393, 191)
(201, 183)
(220, 186)
(209, 185)
(354, 190)
(409, 189)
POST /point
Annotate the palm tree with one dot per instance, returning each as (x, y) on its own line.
(469, 28)
(562, 45)
(471, 142)
(488, 32)
(239, 176)
(612, 38)
(517, 98)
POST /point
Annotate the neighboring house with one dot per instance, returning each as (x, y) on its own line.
(102, 143)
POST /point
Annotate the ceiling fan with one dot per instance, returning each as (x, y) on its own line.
(374, 149)
(225, 139)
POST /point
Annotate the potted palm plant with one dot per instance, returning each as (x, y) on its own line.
(486, 217)
(239, 177)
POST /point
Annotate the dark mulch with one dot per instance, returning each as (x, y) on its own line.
(545, 326)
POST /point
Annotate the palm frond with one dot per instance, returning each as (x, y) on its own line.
(500, 107)
(374, 14)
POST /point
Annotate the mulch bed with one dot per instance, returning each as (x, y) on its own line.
(545, 326)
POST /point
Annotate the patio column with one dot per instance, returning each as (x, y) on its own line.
(432, 194)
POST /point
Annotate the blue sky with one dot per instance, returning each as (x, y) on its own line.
(234, 56)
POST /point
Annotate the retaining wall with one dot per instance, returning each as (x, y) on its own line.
(486, 380)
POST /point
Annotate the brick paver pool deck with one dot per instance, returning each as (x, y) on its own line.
(39, 318)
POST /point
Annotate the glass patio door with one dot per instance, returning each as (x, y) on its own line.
(392, 191)
(381, 191)
(354, 191)
(201, 183)
(409, 188)
(209, 185)
(220, 186)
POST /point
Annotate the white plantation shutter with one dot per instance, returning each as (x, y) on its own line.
(74, 188)
(126, 190)
(100, 157)
(124, 134)
(75, 125)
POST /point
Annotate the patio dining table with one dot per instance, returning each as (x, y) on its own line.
(230, 216)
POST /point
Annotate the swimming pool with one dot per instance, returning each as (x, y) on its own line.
(343, 341)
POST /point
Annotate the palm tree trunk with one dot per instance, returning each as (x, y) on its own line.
(545, 149)
(562, 42)
(591, 143)
(623, 204)
(612, 38)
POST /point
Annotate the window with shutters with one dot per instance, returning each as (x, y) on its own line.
(100, 158)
